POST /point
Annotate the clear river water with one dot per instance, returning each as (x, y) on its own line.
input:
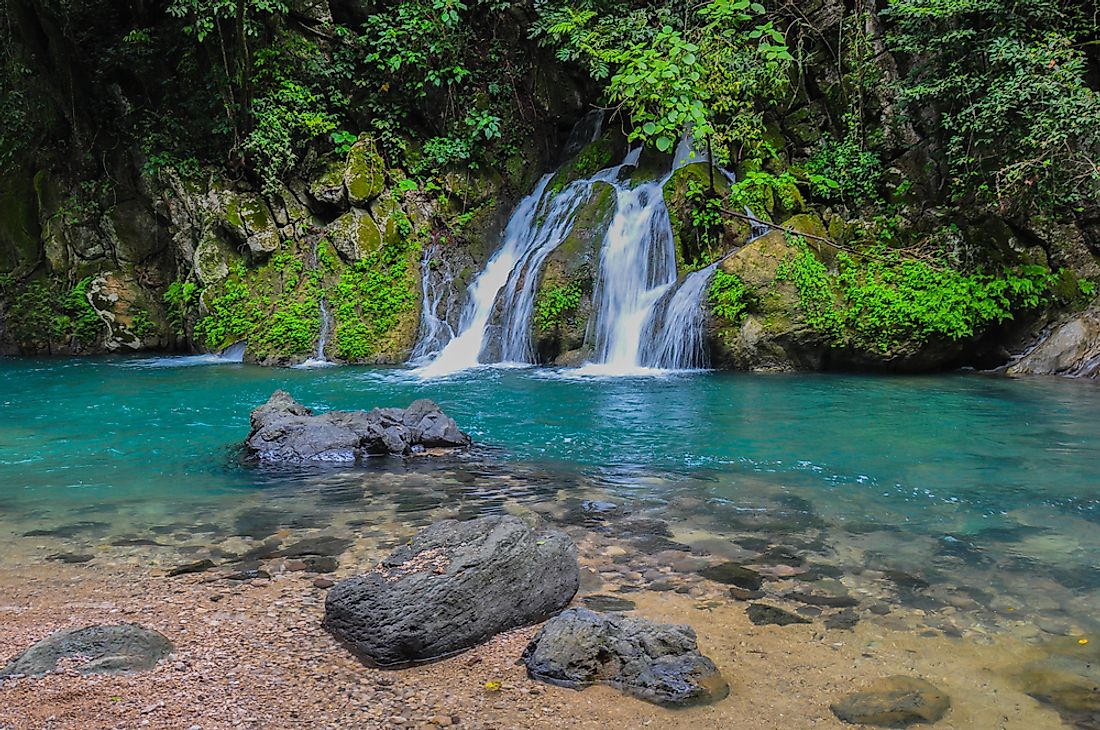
(948, 486)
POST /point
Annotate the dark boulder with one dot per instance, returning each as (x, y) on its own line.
(285, 431)
(455, 585)
(117, 649)
(659, 663)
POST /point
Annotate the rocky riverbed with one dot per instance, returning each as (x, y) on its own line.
(250, 650)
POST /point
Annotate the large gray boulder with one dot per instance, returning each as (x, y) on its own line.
(659, 663)
(114, 649)
(284, 431)
(455, 585)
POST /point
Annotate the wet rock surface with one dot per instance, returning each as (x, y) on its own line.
(763, 614)
(1068, 680)
(453, 586)
(659, 663)
(286, 432)
(897, 701)
(117, 649)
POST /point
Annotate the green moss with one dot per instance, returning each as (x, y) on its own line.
(555, 305)
(887, 303)
(365, 176)
(373, 299)
(728, 297)
(273, 307)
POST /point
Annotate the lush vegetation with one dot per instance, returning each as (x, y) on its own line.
(884, 300)
(556, 304)
(42, 312)
(728, 297)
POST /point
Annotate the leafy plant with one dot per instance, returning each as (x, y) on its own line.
(555, 304)
(728, 297)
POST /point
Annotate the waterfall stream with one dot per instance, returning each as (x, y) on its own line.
(319, 360)
(644, 320)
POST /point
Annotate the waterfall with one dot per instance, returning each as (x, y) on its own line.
(319, 360)
(508, 285)
(437, 302)
(644, 319)
(637, 266)
(464, 350)
(676, 324)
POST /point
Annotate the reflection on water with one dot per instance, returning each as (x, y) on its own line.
(973, 500)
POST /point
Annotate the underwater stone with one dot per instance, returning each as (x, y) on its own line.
(896, 701)
(608, 603)
(659, 663)
(117, 649)
(733, 574)
(762, 614)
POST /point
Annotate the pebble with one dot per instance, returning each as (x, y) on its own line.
(323, 583)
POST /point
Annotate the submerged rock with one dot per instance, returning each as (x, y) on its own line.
(1068, 679)
(285, 431)
(897, 701)
(196, 567)
(659, 663)
(762, 614)
(116, 649)
(601, 602)
(455, 585)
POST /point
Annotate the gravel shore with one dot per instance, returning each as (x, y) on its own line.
(253, 655)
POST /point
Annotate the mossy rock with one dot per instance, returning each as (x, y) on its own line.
(354, 235)
(327, 186)
(138, 234)
(568, 274)
(594, 157)
(364, 176)
(20, 249)
(212, 258)
(774, 335)
(692, 247)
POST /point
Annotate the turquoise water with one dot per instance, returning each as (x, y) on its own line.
(958, 474)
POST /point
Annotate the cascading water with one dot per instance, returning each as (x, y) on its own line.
(637, 266)
(677, 326)
(643, 321)
(319, 360)
(437, 296)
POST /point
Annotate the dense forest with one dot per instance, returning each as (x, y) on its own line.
(185, 174)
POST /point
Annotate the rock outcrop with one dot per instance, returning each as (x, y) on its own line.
(115, 649)
(286, 432)
(1071, 348)
(659, 663)
(455, 585)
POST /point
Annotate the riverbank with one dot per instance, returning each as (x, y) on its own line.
(252, 654)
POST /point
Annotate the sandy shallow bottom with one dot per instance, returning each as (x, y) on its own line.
(253, 655)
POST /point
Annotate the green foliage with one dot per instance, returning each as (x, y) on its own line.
(371, 297)
(885, 301)
(842, 170)
(1017, 115)
(275, 308)
(40, 313)
(142, 326)
(342, 140)
(287, 115)
(555, 305)
(728, 297)
(710, 70)
(181, 300)
(760, 191)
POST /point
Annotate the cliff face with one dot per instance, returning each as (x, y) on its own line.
(106, 247)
